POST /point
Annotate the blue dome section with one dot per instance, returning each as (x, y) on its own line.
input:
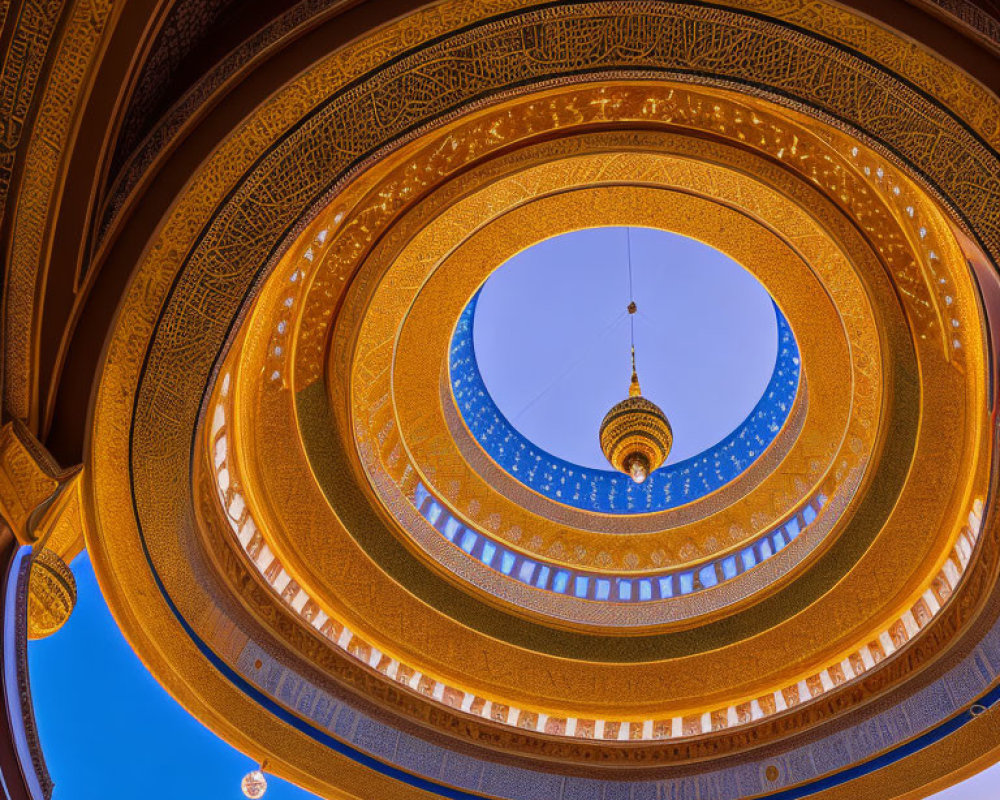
(607, 491)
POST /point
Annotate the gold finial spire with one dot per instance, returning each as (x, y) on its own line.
(635, 434)
(633, 387)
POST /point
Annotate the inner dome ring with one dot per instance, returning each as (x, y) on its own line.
(422, 340)
(684, 287)
(644, 162)
(150, 467)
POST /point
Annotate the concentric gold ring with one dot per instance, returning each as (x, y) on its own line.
(629, 164)
(443, 295)
(329, 535)
(272, 413)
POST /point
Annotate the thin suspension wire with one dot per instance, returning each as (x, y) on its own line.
(585, 353)
(628, 256)
(631, 293)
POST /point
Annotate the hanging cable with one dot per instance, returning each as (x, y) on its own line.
(585, 353)
(628, 263)
(632, 308)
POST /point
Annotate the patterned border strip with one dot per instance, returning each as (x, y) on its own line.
(856, 664)
(970, 16)
(32, 26)
(606, 491)
(192, 102)
(17, 678)
(853, 666)
(603, 587)
(923, 240)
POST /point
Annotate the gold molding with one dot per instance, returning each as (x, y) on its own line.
(290, 495)
(181, 354)
(38, 500)
(42, 184)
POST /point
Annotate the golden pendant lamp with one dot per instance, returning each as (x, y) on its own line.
(635, 435)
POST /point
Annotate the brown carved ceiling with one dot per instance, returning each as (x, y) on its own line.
(195, 36)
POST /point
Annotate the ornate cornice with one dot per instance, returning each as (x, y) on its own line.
(41, 185)
(225, 232)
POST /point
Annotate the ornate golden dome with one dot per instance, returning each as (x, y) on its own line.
(51, 594)
(635, 435)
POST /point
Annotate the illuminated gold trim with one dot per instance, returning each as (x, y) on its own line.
(271, 412)
(162, 500)
(425, 337)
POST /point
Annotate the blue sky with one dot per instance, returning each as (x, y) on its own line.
(552, 345)
(110, 731)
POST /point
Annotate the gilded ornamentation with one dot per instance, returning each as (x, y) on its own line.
(28, 477)
(790, 692)
(41, 185)
(39, 501)
(221, 236)
(882, 645)
(624, 165)
(141, 160)
(426, 332)
(635, 435)
(32, 34)
(51, 594)
(297, 585)
(822, 18)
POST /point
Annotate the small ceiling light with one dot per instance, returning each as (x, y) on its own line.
(254, 784)
(635, 435)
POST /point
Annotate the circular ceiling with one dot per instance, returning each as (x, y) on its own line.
(330, 541)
